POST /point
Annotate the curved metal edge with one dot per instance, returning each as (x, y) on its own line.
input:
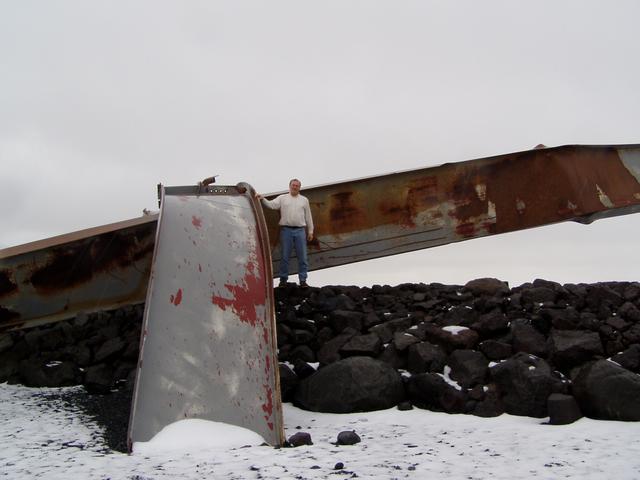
(263, 236)
(145, 320)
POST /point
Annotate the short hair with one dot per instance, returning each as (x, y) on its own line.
(295, 180)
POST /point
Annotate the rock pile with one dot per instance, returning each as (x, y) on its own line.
(99, 351)
(540, 349)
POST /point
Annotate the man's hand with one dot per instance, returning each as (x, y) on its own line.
(258, 196)
(309, 236)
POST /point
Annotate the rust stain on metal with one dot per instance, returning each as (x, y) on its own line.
(539, 187)
(463, 194)
(91, 270)
(401, 203)
(7, 283)
(345, 213)
(72, 265)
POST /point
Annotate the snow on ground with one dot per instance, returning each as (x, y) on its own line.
(47, 439)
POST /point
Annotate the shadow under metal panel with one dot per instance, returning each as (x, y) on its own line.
(208, 347)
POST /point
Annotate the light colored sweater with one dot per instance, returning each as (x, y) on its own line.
(294, 211)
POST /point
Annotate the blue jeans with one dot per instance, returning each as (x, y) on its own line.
(291, 237)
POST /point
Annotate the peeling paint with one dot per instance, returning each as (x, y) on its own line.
(604, 199)
(177, 298)
(245, 298)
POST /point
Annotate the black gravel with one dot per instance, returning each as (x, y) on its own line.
(109, 412)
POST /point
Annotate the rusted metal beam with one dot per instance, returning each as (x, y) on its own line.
(355, 220)
(91, 270)
(411, 210)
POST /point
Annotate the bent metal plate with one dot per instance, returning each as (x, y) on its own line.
(208, 347)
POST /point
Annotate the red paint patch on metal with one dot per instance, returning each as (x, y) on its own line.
(177, 298)
(267, 407)
(196, 222)
(246, 297)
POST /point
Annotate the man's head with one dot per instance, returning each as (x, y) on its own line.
(294, 186)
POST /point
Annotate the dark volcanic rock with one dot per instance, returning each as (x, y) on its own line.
(403, 340)
(491, 405)
(330, 351)
(525, 383)
(348, 437)
(607, 391)
(487, 286)
(431, 391)
(574, 347)
(299, 439)
(39, 373)
(288, 383)
(527, 339)
(468, 367)
(387, 329)
(451, 338)
(538, 295)
(630, 312)
(99, 378)
(393, 357)
(426, 357)
(495, 350)
(629, 359)
(562, 318)
(356, 384)
(563, 409)
(463, 315)
(302, 369)
(491, 323)
(341, 319)
(369, 345)
(109, 349)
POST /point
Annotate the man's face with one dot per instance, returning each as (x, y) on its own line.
(294, 188)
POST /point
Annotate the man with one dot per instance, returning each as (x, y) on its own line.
(295, 216)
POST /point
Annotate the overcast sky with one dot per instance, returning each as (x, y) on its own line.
(100, 101)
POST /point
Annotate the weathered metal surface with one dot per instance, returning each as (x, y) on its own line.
(405, 211)
(355, 220)
(91, 270)
(208, 347)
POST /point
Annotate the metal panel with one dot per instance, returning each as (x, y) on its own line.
(208, 346)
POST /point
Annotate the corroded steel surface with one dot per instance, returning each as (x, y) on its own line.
(96, 269)
(355, 220)
(208, 347)
(400, 212)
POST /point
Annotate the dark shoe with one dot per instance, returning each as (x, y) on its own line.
(304, 284)
(283, 283)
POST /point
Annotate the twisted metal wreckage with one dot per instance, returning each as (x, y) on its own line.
(203, 265)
